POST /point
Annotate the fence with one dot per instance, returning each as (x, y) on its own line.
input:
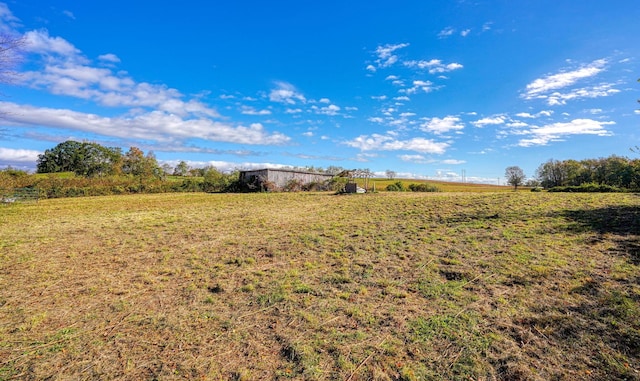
(8, 196)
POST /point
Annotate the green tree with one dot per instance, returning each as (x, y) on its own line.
(61, 158)
(136, 163)
(84, 159)
(515, 176)
(216, 181)
(551, 174)
(95, 160)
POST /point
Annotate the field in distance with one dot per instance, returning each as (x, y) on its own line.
(443, 186)
(316, 286)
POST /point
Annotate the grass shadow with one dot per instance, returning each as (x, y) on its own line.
(604, 313)
(621, 221)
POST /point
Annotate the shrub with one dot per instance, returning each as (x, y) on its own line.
(191, 185)
(336, 184)
(293, 185)
(423, 187)
(586, 188)
(216, 181)
(398, 186)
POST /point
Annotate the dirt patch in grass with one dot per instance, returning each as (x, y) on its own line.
(390, 286)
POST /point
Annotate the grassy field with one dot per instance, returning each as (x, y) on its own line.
(387, 286)
(443, 186)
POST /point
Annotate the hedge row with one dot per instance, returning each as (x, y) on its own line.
(586, 188)
(398, 186)
(53, 186)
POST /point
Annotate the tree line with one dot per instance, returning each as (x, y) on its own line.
(614, 171)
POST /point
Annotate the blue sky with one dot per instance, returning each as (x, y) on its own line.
(427, 89)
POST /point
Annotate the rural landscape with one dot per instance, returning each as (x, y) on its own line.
(323, 191)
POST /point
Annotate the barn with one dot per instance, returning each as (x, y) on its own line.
(268, 179)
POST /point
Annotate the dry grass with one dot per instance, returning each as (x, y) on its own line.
(389, 286)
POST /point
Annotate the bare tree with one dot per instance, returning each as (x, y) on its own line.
(10, 47)
(390, 174)
(515, 176)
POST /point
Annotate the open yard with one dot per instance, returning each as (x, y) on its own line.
(388, 286)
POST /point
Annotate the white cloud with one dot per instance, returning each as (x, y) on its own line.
(8, 22)
(109, 57)
(11, 155)
(419, 85)
(517, 124)
(247, 110)
(434, 66)
(389, 143)
(453, 162)
(155, 125)
(385, 56)
(69, 14)
(417, 159)
(537, 115)
(559, 131)
(365, 157)
(489, 121)
(40, 42)
(442, 125)
(71, 78)
(293, 111)
(411, 157)
(465, 32)
(379, 97)
(389, 111)
(331, 110)
(446, 32)
(540, 86)
(324, 100)
(286, 93)
(307, 134)
(602, 90)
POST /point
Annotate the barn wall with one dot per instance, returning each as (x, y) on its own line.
(280, 178)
